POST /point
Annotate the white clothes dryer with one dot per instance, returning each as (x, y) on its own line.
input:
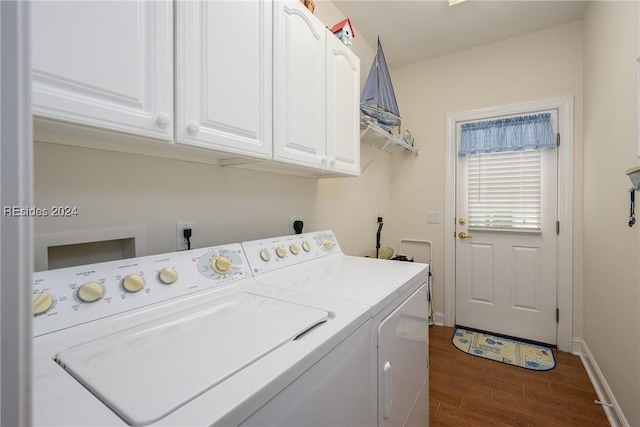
(396, 294)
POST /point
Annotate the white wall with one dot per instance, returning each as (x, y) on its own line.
(227, 205)
(540, 65)
(611, 248)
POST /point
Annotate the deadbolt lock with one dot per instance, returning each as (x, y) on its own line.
(462, 221)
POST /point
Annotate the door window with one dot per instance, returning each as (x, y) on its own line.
(504, 191)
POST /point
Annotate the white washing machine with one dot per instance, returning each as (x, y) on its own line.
(190, 338)
(395, 293)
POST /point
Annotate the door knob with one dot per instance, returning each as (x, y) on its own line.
(464, 235)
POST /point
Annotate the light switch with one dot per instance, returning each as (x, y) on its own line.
(433, 217)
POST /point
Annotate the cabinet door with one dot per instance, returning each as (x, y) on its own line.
(343, 108)
(224, 76)
(299, 92)
(107, 64)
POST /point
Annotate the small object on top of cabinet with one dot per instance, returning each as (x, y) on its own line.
(309, 4)
(343, 30)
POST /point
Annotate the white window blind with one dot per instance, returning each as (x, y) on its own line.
(504, 191)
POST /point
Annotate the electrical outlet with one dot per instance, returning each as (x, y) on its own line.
(181, 241)
(292, 219)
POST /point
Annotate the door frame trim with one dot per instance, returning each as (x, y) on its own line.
(564, 105)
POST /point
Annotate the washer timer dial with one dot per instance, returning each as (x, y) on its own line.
(221, 265)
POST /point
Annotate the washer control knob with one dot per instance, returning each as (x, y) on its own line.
(327, 242)
(221, 265)
(41, 302)
(168, 275)
(90, 292)
(306, 246)
(281, 252)
(133, 283)
(265, 255)
(295, 249)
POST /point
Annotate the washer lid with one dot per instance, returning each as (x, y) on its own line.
(146, 372)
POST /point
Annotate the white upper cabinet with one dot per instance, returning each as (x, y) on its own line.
(259, 84)
(104, 64)
(316, 94)
(224, 76)
(343, 112)
(299, 86)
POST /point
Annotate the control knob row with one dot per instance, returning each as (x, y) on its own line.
(281, 251)
(93, 291)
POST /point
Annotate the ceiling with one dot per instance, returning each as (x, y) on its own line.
(415, 30)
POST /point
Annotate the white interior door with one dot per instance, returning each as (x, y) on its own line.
(506, 267)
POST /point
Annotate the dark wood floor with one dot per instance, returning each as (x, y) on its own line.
(466, 390)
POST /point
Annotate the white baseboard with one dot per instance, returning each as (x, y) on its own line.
(614, 413)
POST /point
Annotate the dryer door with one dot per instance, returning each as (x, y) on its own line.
(402, 359)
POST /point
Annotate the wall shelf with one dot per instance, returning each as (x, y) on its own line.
(377, 137)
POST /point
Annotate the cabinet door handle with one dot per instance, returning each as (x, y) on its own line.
(332, 161)
(163, 119)
(193, 127)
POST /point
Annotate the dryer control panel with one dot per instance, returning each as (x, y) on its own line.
(278, 252)
(66, 297)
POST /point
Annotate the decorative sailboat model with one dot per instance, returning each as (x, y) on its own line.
(378, 100)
